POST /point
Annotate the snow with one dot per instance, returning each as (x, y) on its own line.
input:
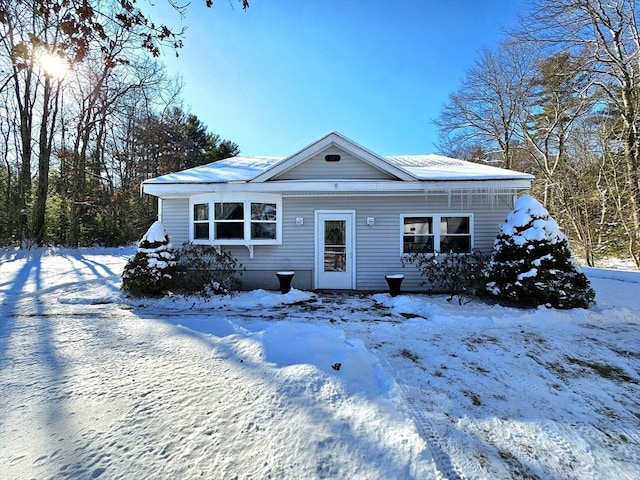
(439, 167)
(422, 167)
(526, 210)
(531, 273)
(234, 169)
(305, 385)
(155, 234)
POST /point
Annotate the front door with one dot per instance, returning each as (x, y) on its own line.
(335, 258)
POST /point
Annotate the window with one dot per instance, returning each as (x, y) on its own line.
(229, 221)
(263, 221)
(436, 233)
(234, 220)
(455, 235)
(201, 221)
(418, 235)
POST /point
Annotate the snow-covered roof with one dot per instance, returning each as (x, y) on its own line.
(411, 168)
(234, 169)
(439, 167)
(421, 167)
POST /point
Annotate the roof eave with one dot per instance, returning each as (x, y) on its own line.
(335, 186)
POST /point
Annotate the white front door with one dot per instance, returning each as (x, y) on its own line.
(335, 256)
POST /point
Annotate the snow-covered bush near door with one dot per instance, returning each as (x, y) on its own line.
(531, 263)
(150, 271)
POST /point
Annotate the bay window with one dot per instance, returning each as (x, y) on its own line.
(235, 220)
(436, 233)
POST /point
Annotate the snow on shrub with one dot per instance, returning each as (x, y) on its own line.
(150, 270)
(531, 263)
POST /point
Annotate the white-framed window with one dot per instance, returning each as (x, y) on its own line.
(430, 233)
(242, 219)
(228, 221)
(200, 222)
(264, 221)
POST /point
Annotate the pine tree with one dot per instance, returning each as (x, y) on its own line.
(150, 271)
(531, 263)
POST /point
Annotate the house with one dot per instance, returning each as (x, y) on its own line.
(337, 214)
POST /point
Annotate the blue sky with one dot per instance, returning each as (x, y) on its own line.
(281, 74)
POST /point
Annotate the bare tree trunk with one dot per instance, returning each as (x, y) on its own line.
(47, 124)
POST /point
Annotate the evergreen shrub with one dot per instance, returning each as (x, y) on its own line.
(531, 263)
(150, 271)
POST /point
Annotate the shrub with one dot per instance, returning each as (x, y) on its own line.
(456, 274)
(531, 263)
(150, 271)
(206, 270)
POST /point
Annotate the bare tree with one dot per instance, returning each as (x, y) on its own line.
(487, 109)
(33, 56)
(608, 34)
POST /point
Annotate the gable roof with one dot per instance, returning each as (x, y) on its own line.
(408, 168)
(335, 139)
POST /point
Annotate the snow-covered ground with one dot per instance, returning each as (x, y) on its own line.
(264, 385)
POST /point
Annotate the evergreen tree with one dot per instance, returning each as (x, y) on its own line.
(150, 271)
(531, 263)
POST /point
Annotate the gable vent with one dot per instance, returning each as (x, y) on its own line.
(332, 158)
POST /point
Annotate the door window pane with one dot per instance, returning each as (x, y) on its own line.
(335, 249)
(334, 232)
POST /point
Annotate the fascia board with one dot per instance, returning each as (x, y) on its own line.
(333, 187)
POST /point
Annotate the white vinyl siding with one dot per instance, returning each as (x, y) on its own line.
(175, 218)
(378, 246)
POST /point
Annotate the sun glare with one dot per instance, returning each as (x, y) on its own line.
(54, 65)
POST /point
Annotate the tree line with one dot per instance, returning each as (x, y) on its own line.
(560, 98)
(87, 113)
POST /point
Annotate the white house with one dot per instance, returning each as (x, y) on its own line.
(336, 213)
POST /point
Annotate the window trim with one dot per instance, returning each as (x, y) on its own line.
(437, 220)
(246, 199)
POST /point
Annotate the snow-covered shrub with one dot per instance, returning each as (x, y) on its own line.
(457, 274)
(150, 271)
(531, 263)
(206, 270)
